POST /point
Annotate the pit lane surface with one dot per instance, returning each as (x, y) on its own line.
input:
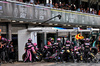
(51, 64)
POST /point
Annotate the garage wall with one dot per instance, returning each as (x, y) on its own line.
(23, 36)
(14, 28)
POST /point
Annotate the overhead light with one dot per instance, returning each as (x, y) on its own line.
(13, 21)
(64, 24)
(34, 22)
(76, 25)
(69, 25)
(80, 25)
(50, 24)
(55, 24)
(40, 23)
(87, 26)
(21, 21)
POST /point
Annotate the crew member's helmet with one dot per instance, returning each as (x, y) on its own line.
(8, 40)
(52, 39)
(29, 39)
(35, 44)
(68, 42)
(87, 40)
(2, 39)
(45, 47)
(83, 39)
(58, 39)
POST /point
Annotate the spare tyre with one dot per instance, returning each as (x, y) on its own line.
(94, 50)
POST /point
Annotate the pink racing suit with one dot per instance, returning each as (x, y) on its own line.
(29, 49)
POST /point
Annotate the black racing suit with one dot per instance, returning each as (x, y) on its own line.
(11, 52)
(4, 52)
(26, 47)
(87, 46)
(0, 53)
(67, 53)
(59, 45)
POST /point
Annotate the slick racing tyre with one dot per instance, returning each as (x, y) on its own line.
(94, 50)
(23, 56)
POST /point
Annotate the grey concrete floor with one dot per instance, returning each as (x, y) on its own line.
(28, 64)
(51, 64)
(76, 64)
